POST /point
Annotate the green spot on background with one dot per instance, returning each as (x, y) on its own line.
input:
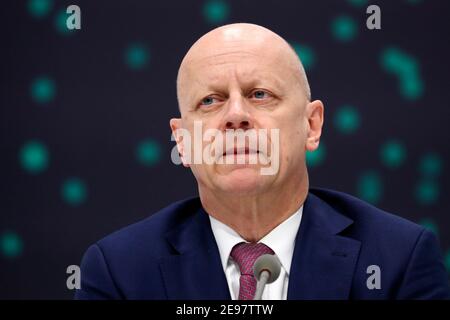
(414, 2)
(216, 11)
(406, 68)
(137, 56)
(61, 22)
(430, 224)
(33, 157)
(395, 60)
(74, 191)
(430, 165)
(411, 88)
(11, 245)
(427, 192)
(447, 260)
(358, 3)
(316, 157)
(306, 55)
(370, 187)
(43, 89)
(347, 119)
(344, 28)
(148, 152)
(393, 154)
(39, 8)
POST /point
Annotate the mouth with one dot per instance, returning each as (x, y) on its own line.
(238, 151)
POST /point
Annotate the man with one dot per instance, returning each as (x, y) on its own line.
(245, 78)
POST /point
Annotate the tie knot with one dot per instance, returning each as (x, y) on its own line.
(245, 255)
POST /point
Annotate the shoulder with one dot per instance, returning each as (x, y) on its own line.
(368, 220)
(149, 234)
(407, 254)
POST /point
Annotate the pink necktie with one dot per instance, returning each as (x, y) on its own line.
(245, 255)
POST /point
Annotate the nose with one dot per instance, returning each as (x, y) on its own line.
(237, 114)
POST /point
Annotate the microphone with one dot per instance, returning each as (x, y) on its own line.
(266, 270)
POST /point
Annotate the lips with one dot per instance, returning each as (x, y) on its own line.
(242, 150)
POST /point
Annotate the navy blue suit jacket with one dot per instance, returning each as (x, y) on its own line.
(173, 255)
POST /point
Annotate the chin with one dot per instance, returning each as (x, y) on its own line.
(243, 180)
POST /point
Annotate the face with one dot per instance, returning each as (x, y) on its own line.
(246, 85)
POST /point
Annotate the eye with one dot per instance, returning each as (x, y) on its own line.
(207, 101)
(259, 94)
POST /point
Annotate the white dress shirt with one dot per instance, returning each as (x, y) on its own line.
(281, 240)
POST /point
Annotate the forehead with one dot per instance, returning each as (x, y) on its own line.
(215, 67)
(242, 66)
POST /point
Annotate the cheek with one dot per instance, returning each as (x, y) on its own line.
(200, 173)
(292, 141)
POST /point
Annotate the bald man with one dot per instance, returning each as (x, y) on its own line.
(245, 90)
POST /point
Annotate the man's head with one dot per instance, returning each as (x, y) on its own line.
(244, 76)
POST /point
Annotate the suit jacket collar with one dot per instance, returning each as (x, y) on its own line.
(323, 263)
(196, 271)
(322, 266)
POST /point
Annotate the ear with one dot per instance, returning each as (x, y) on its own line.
(175, 124)
(314, 114)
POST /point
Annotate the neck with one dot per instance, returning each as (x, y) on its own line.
(254, 216)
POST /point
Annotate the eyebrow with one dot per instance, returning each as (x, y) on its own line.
(262, 80)
(215, 84)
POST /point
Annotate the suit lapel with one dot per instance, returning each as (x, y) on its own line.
(196, 271)
(322, 266)
(323, 262)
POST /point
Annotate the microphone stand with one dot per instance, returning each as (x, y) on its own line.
(261, 284)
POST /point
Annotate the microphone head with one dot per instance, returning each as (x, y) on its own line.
(270, 263)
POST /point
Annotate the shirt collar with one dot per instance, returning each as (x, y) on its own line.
(281, 239)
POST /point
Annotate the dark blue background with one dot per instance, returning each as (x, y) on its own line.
(103, 109)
